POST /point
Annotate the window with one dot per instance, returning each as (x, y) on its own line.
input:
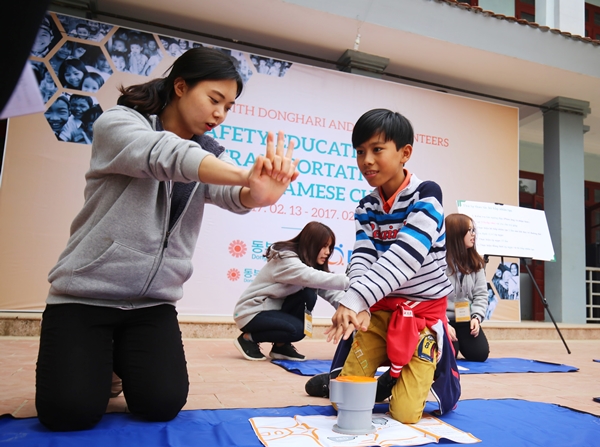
(592, 212)
(525, 9)
(592, 21)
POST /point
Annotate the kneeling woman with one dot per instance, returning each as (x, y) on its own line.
(467, 305)
(274, 306)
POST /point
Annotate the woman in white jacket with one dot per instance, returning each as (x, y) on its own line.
(283, 294)
(467, 304)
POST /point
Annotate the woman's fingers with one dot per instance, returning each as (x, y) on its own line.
(290, 150)
(267, 165)
(270, 152)
(282, 167)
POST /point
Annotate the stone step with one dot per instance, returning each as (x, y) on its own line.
(27, 324)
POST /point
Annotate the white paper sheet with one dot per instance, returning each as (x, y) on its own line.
(317, 431)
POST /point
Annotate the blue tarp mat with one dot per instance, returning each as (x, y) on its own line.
(498, 423)
(490, 366)
(512, 365)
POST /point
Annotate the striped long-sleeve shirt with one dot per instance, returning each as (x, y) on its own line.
(400, 253)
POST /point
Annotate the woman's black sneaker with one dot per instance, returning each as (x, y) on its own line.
(249, 349)
(286, 352)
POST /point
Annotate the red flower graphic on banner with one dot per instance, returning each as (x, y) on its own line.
(233, 274)
(237, 249)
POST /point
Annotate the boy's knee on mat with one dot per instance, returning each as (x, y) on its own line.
(404, 414)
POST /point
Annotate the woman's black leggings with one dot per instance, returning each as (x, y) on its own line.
(474, 349)
(81, 346)
(285, 325)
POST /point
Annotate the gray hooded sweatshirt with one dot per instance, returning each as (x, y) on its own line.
(283, 275)
(121, 252)
(471, 288)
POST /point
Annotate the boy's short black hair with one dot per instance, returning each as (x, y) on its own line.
(392, 125)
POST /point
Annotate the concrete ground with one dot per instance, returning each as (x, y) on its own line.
(221, 378)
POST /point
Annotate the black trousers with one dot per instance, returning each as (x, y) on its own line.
(474, 349)
(80, 347)
(285, 325)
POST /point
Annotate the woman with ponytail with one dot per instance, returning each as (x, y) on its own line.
(111, 304)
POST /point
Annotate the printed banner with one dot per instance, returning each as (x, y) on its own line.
(469, 147)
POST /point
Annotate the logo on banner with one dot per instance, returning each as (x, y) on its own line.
(233, 274)
(237, 248)
(339, 256)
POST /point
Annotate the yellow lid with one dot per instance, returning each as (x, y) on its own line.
(356, 379)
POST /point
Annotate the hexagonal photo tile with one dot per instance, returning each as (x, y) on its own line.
(175, 46)
(270, 66)
(47, 37)
(45, 80)
(72, 117)
(134, 51)
(84, 29)
(240, 61)
(80, 66)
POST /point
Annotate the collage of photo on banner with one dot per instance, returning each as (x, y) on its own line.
(72, 59)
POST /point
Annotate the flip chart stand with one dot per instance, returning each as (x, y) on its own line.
(544, 302)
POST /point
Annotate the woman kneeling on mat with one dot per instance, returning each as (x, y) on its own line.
(467, 305)
(111, 304)
(276, 304)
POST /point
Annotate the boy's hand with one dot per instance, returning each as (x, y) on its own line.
(452, 333)
(344, 322)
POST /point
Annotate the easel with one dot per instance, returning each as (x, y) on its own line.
(540, 247)
(544, 302)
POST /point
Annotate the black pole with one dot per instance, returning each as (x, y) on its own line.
(545, 303)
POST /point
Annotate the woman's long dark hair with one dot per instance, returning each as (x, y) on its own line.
(458, 256)
(307, 245)
(195, 65)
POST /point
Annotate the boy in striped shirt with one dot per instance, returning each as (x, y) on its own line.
(398, 286)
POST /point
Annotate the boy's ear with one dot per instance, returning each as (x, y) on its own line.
(406, 152)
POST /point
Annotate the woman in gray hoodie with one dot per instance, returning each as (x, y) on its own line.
(111, 304)
(279, 302)
(467, 304)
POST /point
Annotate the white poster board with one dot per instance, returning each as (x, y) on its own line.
(505, 230)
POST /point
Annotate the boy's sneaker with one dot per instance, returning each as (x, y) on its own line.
(385, 383)
(286, 352)
(249, 349)
(318, 386)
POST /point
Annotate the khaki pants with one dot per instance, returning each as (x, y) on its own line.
(369, 351)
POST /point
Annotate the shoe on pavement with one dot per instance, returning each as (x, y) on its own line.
(385, 383)
(249, 349)
(318, 386)
(286, 352)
